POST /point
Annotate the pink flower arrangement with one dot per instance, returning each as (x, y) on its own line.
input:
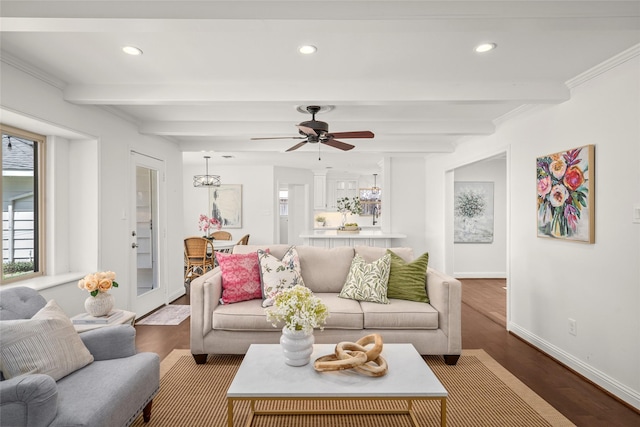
(207, 224)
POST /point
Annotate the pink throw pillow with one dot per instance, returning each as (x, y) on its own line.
(240, 277)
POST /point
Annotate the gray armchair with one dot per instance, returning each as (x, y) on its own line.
(111, 391)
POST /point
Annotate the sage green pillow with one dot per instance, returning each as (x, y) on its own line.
(367, 281)
(408, 280)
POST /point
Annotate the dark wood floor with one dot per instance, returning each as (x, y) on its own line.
(483, 326)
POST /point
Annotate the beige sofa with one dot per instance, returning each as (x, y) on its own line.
(432, 328)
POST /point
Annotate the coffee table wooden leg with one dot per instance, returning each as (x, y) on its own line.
(443, 412)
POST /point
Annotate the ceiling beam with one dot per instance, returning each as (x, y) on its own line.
(322, 92)
(230, 128)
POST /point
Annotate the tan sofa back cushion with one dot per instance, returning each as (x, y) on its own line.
(370, 253)
(323, 270)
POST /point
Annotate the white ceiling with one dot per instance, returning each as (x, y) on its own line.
(216, 73)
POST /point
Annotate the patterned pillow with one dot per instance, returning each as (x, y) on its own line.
(408, 280)
(240, 277)
(367, 282)
(278, 275)
(45, 344)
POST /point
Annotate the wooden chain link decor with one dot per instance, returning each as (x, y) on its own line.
(349, 355)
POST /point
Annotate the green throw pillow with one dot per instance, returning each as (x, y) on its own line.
(367, 282)
(407, 280)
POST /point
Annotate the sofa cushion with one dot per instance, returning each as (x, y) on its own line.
(325, 270)
(278, 274)
(408, 280)
(399, 314)
(240, 277)
(45, 344)
(372, 253)
(367, 281)
(343, 313)
(242, 316)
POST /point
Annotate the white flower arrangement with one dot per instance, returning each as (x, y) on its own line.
(102, 281)
(299, 309)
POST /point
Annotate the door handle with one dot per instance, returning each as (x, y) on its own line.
(134, 245)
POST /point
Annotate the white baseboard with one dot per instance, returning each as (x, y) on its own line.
(613, 386)
(480, 275)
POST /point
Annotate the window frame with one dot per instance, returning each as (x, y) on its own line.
(39, 231)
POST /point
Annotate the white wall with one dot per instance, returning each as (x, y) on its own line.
(88, 221)
(404, 203)
(482, 260)
(551, 281)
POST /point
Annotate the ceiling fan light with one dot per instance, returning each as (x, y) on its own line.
(132, 50)
(307, 49)
(485, 47)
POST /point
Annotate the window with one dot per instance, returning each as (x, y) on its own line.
(22, 204)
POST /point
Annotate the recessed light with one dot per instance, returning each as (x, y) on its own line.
(132, 50)
(485, 47)
(307, 49)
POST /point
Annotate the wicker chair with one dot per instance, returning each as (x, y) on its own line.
(244, 240)
(220, 235)
(198, 253)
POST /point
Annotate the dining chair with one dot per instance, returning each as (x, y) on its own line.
(244, 240)
(221, 235)
(198, 252)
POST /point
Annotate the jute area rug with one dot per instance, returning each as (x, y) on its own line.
(481, 393)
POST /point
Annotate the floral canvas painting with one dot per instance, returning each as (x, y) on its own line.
(226, 205)
(565, 208)
(473, 212)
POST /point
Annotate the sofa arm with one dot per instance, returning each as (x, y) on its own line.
(28, 400)
(206, 292)
(445, 295)
(110, 342)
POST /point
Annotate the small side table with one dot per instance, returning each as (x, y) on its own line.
(127, 317)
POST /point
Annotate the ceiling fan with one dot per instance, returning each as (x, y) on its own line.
(315, 131)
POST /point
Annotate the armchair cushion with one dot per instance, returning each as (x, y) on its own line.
(45, 344)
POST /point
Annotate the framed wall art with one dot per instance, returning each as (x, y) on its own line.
(473, 212)
(226, 204)
(565, 195)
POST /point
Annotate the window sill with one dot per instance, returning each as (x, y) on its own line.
(46, 282)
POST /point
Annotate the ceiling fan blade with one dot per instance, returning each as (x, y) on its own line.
(307, 130)
(298, 145)
(280, 137)
(357, 134)
(338, 144)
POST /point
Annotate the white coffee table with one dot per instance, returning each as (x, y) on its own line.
(264, 376)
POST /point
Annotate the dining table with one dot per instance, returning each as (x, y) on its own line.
(222, 245)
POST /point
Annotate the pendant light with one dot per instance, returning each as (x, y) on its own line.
(375, 190)
(206, 180)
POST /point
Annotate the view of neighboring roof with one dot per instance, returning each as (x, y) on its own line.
(17, 154)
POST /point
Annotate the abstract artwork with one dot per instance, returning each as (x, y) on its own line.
(226, 205)
(473, 212)
(565, 208)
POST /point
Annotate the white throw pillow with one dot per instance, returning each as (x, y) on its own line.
(367, 281)
(277, 275)
(45, 344)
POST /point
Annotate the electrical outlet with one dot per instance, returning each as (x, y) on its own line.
(573, 327)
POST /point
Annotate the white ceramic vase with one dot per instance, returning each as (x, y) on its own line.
(100, 305)
(297, 347)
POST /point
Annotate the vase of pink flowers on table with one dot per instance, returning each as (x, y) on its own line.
(208, 225)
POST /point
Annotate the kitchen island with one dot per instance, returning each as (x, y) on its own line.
(335, 238)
